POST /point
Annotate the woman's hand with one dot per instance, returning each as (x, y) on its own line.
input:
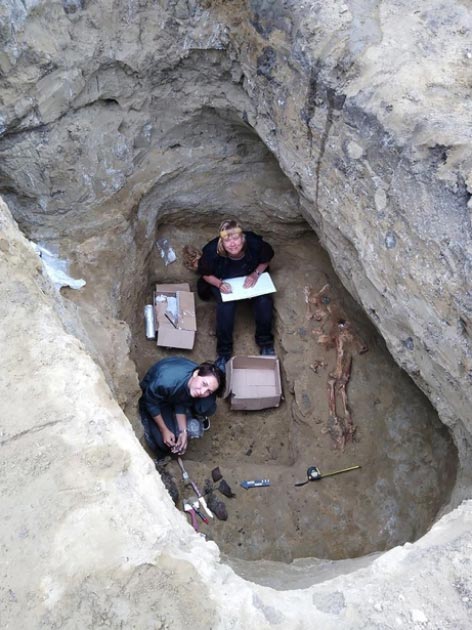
(168, 438)
(225, 287)
(251, 280)
(181, 444)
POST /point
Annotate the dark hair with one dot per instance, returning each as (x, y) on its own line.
(208, 368)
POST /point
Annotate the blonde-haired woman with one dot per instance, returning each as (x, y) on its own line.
(234, 253)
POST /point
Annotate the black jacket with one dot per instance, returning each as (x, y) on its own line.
(212, 264)
(166, 384)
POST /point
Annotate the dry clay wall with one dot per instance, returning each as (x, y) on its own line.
(91, 539)
(374, 138)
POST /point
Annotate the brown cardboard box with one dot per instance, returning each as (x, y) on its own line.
(175, 327)
(253, 382)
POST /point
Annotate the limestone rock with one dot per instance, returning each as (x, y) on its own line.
(115, 115)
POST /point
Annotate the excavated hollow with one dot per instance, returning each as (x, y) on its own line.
(407, 456)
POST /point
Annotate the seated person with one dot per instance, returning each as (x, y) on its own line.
(175, 389)
(232, 254)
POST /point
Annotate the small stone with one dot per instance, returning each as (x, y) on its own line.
(355, 151)
(390, 240)
(418, 616)
(4, 246)
(225, 489)
(217, 507)
(380, 199)
(331, 603)
(207, 486)
(72, 6)
(408, 343)
(216, 474)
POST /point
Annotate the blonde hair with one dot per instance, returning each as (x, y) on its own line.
(227, 228)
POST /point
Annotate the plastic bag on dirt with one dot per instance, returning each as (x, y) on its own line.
(167, 253)
(57, 269)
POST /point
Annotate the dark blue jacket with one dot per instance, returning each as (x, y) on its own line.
(165, 384)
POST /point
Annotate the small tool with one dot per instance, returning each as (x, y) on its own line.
(187, 480)
(196, 507)
(313, 473)
(189, 509)
(185, 475)
(255, 483)
(204, 505)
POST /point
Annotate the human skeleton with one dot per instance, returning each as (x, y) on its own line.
(334, 331)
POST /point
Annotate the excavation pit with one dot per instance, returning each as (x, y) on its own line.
(119, 115)
(407, 456)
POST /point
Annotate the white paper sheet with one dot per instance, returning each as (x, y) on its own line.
(264, 285)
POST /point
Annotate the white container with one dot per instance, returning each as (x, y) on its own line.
(150, 321)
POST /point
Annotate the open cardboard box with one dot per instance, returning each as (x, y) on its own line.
(174, 306)
(253, 382)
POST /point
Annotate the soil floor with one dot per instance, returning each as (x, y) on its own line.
(407, 457)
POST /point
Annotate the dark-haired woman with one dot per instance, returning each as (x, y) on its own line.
(175, 389)
(234, 253)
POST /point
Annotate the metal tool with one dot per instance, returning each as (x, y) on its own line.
(185, 475)
(204, 505)
(313, 473)
(196, 506)
(255, 483)
(196, 489)
(189, 509)
(150, 321)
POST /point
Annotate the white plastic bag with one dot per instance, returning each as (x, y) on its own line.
(57, 269)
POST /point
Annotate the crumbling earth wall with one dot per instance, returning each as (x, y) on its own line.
(375, 137)
(91, 539)
(114, 114)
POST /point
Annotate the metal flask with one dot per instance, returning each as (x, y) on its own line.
(150, 322)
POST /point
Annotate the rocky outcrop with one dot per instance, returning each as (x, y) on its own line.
(375, 138)
(90, 537)
(115, 115)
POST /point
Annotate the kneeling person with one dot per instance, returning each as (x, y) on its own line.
(175, 389)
